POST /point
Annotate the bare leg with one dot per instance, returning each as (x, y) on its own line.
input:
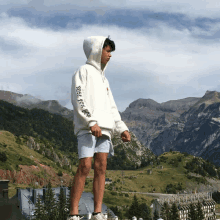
(100, 165)
(79, 183)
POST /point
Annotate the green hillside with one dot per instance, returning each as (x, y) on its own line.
(38, 123)
(56, 133)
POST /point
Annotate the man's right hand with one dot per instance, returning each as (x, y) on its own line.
(96, 130)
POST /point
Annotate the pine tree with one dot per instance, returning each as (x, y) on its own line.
(145, 211)
(39, 213)
(200, 215)
(156, 215)
(192, 212)
(50, 204)
(116, 211)
(134, 208)
(165, 211)
(62, 205)
(68, 203)
(68, 200)
(174, 212)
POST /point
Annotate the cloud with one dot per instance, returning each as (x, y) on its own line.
(28, 99)
(193, 9)
(162, 63)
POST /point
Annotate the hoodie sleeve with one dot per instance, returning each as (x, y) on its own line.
(78, 97)
(120, 125)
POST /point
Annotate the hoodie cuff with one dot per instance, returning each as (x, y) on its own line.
(121, 127)
(92, 123)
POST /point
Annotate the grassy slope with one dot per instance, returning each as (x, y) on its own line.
(144, 182)
(14, 151)
(158, 180)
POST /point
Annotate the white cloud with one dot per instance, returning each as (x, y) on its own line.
(10, 86)
(152, 63)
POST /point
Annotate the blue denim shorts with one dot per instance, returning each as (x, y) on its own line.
(88, 144)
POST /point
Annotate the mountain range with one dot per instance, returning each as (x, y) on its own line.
(187, 125)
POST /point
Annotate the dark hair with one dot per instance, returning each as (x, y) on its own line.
(110, 43)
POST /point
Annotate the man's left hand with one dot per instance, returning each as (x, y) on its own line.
(125, 136)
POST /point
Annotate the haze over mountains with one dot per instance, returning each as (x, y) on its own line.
(188, 125)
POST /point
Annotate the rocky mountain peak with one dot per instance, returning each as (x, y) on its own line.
(209, 98)
(143, 103)
(208, 92)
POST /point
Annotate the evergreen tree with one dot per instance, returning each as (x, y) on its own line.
(39, 213)
(165, 211)
(192, 212)
(156, 215)
(62, 205)
(69, 198)
(174, 212)
(145, 211)
(50, 204)
(70, 185)
(116, 211)
(134, 209)
(200, 214)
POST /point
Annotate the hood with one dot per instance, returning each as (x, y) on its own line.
(92, 47)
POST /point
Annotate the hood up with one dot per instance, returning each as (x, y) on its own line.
(92, 47)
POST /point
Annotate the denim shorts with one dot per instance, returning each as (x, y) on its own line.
(88, 144)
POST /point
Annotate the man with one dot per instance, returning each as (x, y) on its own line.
(96, 118)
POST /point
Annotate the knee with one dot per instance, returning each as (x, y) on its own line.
(100, 168)
(84, 168)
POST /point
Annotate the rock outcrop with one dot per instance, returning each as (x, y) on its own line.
(49, 152)
(32, 174)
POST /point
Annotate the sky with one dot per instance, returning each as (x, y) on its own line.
(165, 50)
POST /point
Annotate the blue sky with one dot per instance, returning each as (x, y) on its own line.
(165, 50)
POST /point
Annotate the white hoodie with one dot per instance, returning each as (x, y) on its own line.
(91, 95)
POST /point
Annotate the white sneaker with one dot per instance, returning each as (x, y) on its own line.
(74, 218)
(99, 216)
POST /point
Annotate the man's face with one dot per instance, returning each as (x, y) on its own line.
(106, 54)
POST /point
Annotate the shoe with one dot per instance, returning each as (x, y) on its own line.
(74, 217)
(99, 216)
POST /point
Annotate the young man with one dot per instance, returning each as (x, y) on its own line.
(96, 118)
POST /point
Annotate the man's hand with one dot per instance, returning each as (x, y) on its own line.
(125, 136)
(96, 130)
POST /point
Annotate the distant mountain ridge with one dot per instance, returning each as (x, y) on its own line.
(178, 125)
(175, 124)
(30, 102)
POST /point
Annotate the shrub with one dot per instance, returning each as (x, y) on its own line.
(109, 187)
(163, 159)
(3, 145)
(126, 195)
(17, 167)
(174, 162)
(179, 158)
(3, 157)
(114, 193)
(18, 140)
(60, 173)
(185, 154)
(86, 182)
(170, 188)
